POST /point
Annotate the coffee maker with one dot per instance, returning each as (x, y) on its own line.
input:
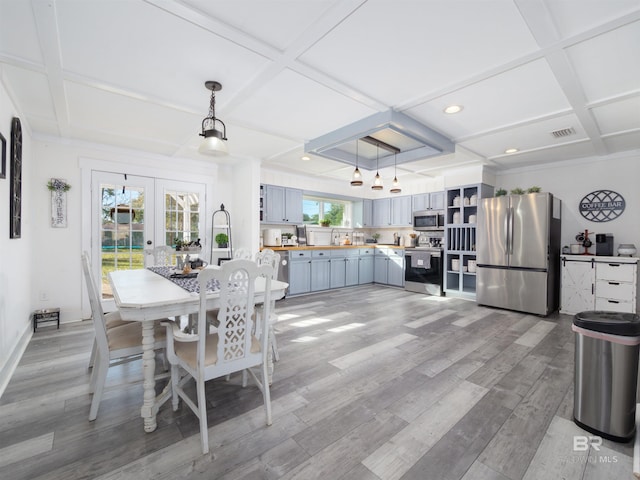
(604, 244)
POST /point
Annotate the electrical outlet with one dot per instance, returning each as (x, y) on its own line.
(44, 296)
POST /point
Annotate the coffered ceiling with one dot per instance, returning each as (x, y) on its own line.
(131, 73)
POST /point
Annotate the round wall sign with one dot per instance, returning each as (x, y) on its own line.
(602, 205)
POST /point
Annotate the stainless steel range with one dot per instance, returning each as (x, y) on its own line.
(423, 272)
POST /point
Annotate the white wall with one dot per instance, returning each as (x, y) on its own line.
(571, 181)
(16, 255)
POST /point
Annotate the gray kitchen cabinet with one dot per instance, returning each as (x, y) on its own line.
(395, 267)
(367, 213)
(401, 211)
(366, 265)
(282, 205)
(382, 212)
(351, 268)
(338, 272)
(428, 201)
(320, 270)
(389, 266)
(299, 272)
(381, 269)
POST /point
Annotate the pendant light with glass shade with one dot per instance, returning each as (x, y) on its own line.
(395, 187)
(377, 181)
(215, 140)
(356, 180)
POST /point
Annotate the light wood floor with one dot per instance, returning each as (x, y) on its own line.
(373, 383)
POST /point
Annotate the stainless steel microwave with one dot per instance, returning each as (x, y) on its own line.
(428, 220)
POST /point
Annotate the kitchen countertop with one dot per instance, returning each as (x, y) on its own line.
(332, 247)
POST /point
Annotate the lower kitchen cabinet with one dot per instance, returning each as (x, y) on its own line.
(365, 265)
(338, 273)
(320, 270)
(598, 283)
(351, 270)
(389, 266)
(299, 272)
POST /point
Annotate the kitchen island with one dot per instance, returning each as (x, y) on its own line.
(316, 268)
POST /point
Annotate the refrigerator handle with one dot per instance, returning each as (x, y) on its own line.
(506, 232)
(510, 231)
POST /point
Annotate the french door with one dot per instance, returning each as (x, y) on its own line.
(131, 213)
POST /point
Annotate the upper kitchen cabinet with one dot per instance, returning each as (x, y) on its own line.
(280, 204)
(428, 201)
(363, 213)
(392, 212)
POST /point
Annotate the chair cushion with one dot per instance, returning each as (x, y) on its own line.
(187, 351)
(113, 319)
(130, 335)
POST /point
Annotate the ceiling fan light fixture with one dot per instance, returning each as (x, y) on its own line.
(215, 138)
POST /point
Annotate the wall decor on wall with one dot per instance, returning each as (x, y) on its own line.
(3, 160)
(59, 188)
(15, 189)
(602, 206)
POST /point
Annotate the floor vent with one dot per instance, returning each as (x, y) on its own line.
(563, 132)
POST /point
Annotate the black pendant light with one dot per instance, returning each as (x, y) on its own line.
(215, 140)
(356, 180)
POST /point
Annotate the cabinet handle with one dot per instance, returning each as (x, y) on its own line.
(592, 292)
(613, 301)
(614, 283)
(614, 264)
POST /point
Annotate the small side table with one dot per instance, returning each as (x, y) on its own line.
(46, 315)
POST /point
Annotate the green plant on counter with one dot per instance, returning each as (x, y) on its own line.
(375, 236)
(534, 189)
(517, 191)
(501, 192)
(325, 222)
(222, 239)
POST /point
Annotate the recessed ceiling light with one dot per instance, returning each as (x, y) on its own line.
(511, 150)
(306, 158)
(453, 109)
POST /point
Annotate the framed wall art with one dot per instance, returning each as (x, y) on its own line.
(3, 160)
(15, 188)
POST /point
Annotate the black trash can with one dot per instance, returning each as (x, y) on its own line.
(606, 373)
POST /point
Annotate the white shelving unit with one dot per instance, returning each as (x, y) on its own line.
(220, 223)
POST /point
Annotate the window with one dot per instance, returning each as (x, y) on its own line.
(182, 216)
(317, 209)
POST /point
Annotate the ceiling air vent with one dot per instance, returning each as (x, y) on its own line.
(563, 132)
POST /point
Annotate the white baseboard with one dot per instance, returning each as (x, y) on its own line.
(8, 368)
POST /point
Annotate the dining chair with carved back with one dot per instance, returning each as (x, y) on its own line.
(234, 346)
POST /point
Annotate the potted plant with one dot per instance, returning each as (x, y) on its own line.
(325, 222)
(179, 244)
(534, 189)
(517, 191)
(375, 237)
(501, 192)
(222, 239)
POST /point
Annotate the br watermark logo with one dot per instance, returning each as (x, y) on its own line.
(588, 449)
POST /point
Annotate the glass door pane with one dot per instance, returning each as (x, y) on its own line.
(123, 228)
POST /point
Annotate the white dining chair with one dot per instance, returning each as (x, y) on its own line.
(269, 257)
(160, 256)
(242, 253)
(115, 345)
(231, 348)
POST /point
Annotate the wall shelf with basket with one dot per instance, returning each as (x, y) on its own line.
(460, 233)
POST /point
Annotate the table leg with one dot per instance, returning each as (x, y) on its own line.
(149, 370)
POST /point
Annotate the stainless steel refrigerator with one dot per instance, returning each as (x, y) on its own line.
(518, 253)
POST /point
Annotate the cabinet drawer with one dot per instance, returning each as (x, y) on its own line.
(296, 254)
(622, 272)
(320, 253)
(615, 290)
(614, 305)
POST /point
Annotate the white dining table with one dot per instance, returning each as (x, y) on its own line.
(146, 297)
